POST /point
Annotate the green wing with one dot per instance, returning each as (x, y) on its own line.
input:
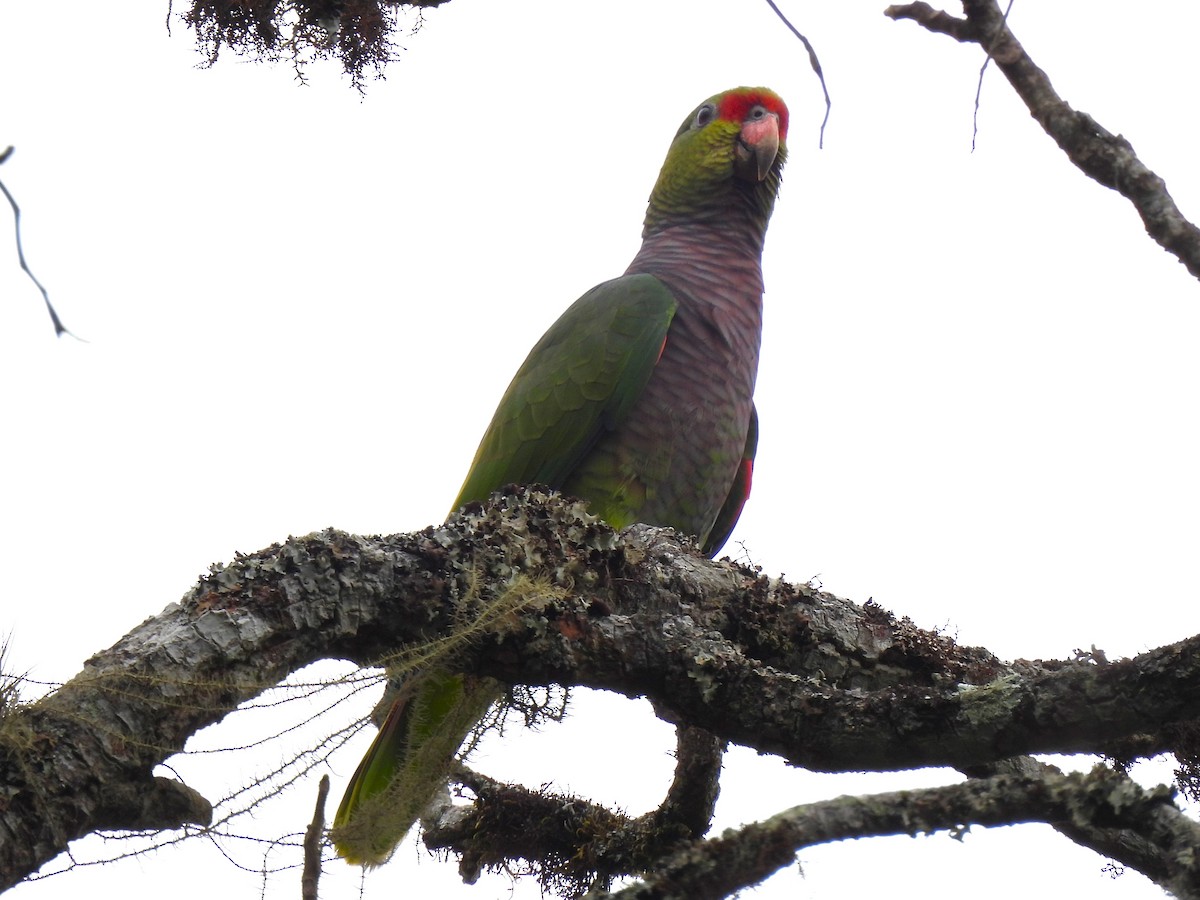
(739, 492)
(581, 379)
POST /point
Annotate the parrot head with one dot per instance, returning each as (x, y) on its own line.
(726, 158)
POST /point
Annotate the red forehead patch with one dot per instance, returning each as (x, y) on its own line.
(736, 105)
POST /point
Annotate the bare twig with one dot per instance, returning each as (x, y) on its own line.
(979, 86)
(1101, 155)
(313, 839)
(816, 67)
(59, 328)
(934, 20)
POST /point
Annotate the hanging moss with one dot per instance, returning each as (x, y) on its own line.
(357, 33)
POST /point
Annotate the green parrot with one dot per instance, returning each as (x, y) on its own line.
(639, 400)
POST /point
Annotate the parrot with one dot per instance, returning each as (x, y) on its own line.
(637, 400)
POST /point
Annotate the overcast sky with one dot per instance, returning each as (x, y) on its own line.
(977, 386)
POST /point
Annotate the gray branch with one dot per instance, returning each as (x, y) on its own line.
(788, 670)
(1101, 155)
(719, 867)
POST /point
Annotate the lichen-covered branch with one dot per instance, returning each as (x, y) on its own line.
(81, 759)
(722, 866)
(572, 844)
(1145, 851)
(691, 799)
(568, 842)
(530, 589)
(1101, 155)
(692, 673)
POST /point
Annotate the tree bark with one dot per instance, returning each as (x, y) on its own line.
(561, 598)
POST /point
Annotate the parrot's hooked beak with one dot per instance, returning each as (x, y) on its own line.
(757, 147)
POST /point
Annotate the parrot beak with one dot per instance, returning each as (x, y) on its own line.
(757, 147)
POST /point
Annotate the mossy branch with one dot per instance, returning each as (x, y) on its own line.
(783, 669)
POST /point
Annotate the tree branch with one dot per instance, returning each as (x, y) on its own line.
(719, 867)
(1153, 857)
(561, 599)
(692, 798)
(1101, 155)
(80, 760)
(693, 674)
(567, 842)
(314, 839)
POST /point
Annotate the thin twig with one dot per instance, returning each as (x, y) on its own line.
(979, 86)
(312, 844)
(59, 328)
(816, 67)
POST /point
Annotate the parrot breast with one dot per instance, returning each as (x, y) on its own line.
(674, 458)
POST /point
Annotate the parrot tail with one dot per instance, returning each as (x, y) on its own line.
(408, 762)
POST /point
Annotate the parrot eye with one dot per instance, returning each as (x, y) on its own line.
(704, 115)
(757, 113)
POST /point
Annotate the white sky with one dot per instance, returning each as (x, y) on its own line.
(977, 384)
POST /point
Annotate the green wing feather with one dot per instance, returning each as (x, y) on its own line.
(580, 380)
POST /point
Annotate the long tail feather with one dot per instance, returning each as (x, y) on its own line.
(408, 762)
